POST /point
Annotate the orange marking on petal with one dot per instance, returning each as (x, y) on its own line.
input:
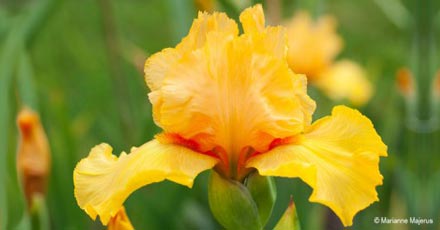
(245, 154)
(174, 138)
(222, 155)
(177, 139)
(282, 141)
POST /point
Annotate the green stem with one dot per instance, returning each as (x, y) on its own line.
(39, 213)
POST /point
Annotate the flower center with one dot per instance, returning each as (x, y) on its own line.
(233, 168)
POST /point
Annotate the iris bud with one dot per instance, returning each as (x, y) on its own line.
(231, 204)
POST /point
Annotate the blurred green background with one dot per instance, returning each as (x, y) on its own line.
(79, 64)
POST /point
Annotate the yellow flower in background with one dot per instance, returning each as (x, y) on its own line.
(230, 102)
(345, 79)
(313, 47)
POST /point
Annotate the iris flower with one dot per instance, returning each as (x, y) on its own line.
(230, 103)
(346, 79)
(313, 47)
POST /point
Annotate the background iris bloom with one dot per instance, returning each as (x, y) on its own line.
(313, 47)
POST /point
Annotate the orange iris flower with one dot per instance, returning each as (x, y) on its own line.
(230, 102)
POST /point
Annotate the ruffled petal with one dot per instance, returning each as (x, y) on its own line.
(103, 181)
(204, 25)
(267, 40)
(157, 66)
(252, 19)
(234, 91)
(338, 156)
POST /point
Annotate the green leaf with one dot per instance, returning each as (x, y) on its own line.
(7, 61)
(26, 84)
(289, 220)
(232, 204)
(263, 191)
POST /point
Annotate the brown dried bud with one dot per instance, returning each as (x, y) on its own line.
(33, 159)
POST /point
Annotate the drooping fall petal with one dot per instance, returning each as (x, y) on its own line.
(103, 181)
(338, 156)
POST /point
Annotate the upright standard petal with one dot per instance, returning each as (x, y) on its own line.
(252, 19)
(157, 66)
(338, 156)
(103, 181)
(210, 90)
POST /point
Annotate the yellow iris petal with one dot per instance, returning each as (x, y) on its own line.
(120, 221)
(235, 91)
(346, 79)
(103, 181)
(252, 19)
(338, 156)
(157, 66)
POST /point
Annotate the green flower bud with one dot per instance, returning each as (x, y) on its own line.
(263, 191)
(232, 204)
(289, 220)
